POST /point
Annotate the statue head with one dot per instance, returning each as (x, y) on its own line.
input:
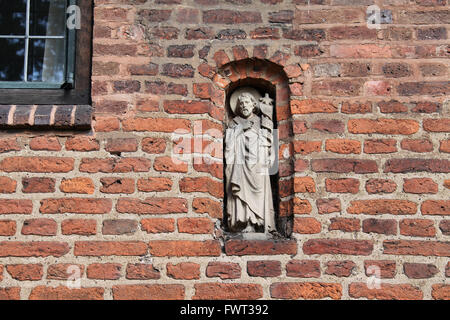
(246, 105)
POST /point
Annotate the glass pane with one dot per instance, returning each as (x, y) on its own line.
(12, 62)
(46, 59)
(13, 17)
(47, 17)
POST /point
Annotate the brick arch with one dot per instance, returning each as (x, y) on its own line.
(261, 72)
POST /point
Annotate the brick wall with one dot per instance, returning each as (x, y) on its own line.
(364, 122)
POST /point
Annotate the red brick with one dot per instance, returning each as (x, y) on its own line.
(120, 226)
(64, 293)
(154, 184)
(119, 145)
(152, 205)
(382, 269)
(344, 185)
(305, 290)
(156, 124)
(303, 268)
(195, 225)
(153, 145)
(82, 227)
(9, 144)
(85, 144)
(117, 185)
(436, 125)
(183, 271)
(158, 225)
(329, 126)
(7, 185)
(307, 147)
(416, 165)
(440, 291)
(110, 248)
(141, 271)
(344, 224)
(306, 226)
(33, 249)
(383, 126)
(170, 164)
(15, 206)
(116, 165)
(149, 292)
(420, 185)
(45, 143)
(64, 271)
(380, 186)
(202, 184)
(312, 106)
(419, 270)
(386, 292)
(264, 268)
(417, 228)
(26, 272)
(435, 207)
(304, 185)
(381, 226)
(325, 206)
(260, 247)
(37, 164)
(340, 268)
(11, 293)
(343, 146)
(417, 248)
(444, 146)
(380, 146)
(338, 246)
(223, 270)
(76, 205)
(383, 206)
(104, 271)
(40, 227)
(180, 248)
(77, 185)
(417, 145)
(227, 291)
(344, 165)
(7, 228)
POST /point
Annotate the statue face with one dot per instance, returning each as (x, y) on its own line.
(246, 106)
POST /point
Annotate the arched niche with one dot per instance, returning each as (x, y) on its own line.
(266, 77)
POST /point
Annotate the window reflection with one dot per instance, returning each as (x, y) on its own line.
(47, 18)
(12, 62)
(42, 47)
(13, 17)
(46, 60)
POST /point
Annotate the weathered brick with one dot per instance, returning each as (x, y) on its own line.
(180, 248)
(223, 270)
(305, 290)
(260, 247)
(65, 293)
(338, 246)
(183, 271)
(76, 205)
(149, 292)
(227, 291)
(110, 248)
(303, 268)
(385, 292)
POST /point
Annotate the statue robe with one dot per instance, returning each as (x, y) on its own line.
(249, 193)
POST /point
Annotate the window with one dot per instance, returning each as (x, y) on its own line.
(43, 60)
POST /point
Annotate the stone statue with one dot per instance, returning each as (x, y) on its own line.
(248, 157)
